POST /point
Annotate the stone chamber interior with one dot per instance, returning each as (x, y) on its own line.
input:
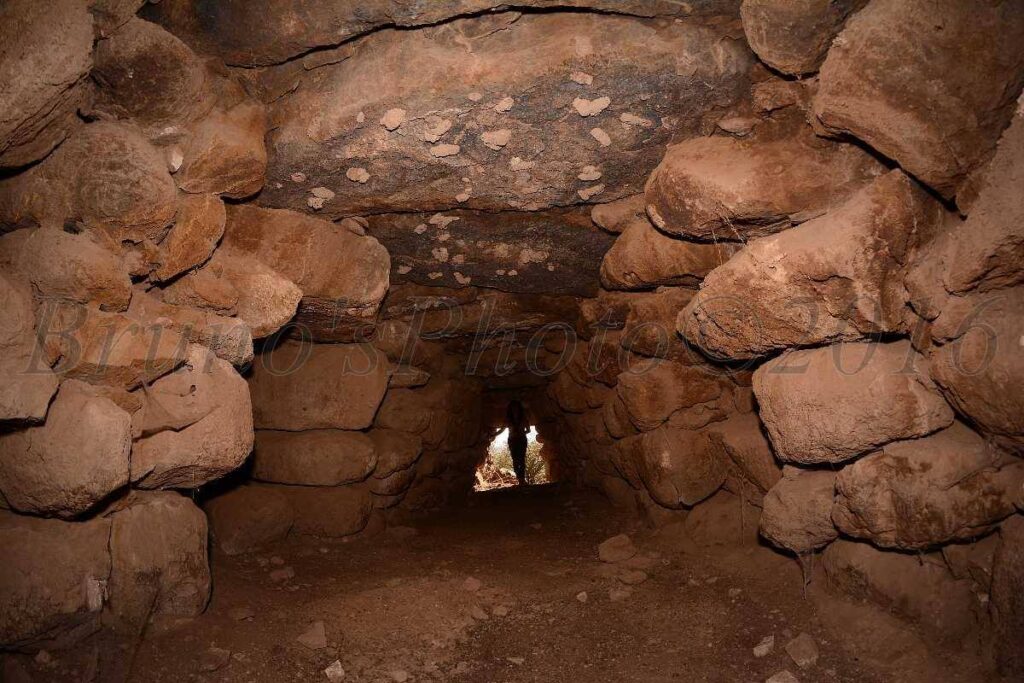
(273, 270)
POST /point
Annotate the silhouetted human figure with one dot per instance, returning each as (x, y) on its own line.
(517, 429)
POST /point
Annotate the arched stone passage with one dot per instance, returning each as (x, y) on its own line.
(272, 271)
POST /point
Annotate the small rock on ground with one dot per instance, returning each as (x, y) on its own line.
(335, 672)
(616, 549)
(765, 647)
(215, 658)
(783, 677)
(472, 584)
(803, 650)
(315, 637)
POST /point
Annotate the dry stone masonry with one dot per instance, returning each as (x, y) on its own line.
(273, 270)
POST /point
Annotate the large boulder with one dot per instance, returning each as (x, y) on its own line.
(44, 69)
(329, 511)
(913, 495)
(615, 217)
(650, 325)
(903, 77)
(319, 457)
(111, 348)
(297, 386)
(677, 467)
(325, 260)
(73, 461)
(405, 410)
(198, 229)
(195, 425)
(248, 518)
(797, 513)
(53, 578)
(264, 298)
(916, 587)
(728, 189)
(743, 440)
(1007, 597)
(149, 76)
(26, 382)
(274, 31)
(158, 556)
(644, 258)
(106, 177)
(833, 404)
(407, 123)
(396, 451)
(654, 389)
(230, 338)
(793, 36)
(63, 265)
(986, 251)
(979, 365)
(838, 277)
(225, 153)
(724, 519)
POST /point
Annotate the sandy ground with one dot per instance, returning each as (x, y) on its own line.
(494, 593)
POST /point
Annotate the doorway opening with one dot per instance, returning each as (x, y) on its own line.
(497, 471)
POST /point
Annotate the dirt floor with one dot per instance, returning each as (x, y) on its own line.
(512, 589)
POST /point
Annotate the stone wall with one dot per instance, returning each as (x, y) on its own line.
(750, 265)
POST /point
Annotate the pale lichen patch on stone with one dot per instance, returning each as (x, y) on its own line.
(585, 107)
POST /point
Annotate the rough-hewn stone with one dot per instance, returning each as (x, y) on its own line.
(903, 77)
(266, 300)
(979, 366)
(229, 338)
(320, 457)
(833, 404)
(276, 30)
(325, 260)
(225, 153)
(195, 425)
(46, 59)
(644, 258)
(653, 389)
(73, 461)
(986, 251)
(797, 513)
(149, 76)
(198, 228)
(744, 441)
(68, 266)
(158, 560)
(727, 189)
(917, 494)
(26, 381)
(110, 348)
(52, 579)
(248, 518)
(550, 252)
(395, 451)
(793, 36)
(106, 177)
(917, 587)
(678, 467)
(1007, 597)
(838, 277)
(298, 387)
(682, 73)
(329, 511)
